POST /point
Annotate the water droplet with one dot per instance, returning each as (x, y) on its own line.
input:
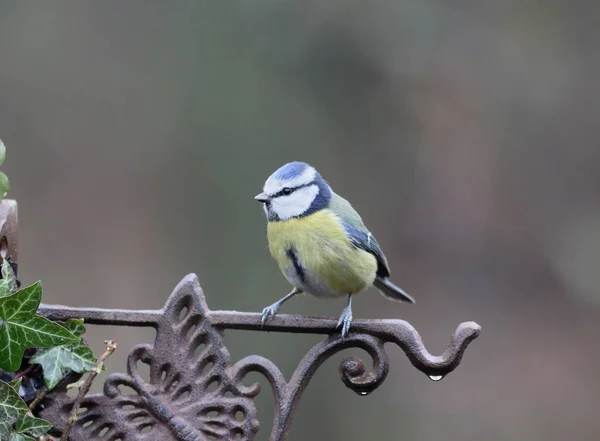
(436, 377)
(363, 393)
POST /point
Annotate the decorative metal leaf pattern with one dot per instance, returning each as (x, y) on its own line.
(190, 395)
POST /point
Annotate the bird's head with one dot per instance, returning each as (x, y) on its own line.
(294, 190)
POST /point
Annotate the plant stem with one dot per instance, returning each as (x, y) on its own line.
(111, 345)
(38, 399)
(24, 372)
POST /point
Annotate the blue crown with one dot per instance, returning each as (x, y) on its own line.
(290, 170)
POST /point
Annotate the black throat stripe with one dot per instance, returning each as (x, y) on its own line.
(294, 258)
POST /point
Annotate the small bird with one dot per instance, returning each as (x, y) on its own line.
(320, 242)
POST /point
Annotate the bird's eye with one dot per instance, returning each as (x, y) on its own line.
(286, 191)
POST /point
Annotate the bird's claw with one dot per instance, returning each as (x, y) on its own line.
(269, 311)
(345, 321)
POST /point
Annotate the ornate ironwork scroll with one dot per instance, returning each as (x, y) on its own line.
(195, 393)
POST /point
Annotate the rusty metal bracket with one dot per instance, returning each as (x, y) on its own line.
(195, 393)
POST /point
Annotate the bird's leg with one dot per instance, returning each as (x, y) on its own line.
(272, 310)
(345, 318)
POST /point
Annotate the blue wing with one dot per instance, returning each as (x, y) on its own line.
(364, 240)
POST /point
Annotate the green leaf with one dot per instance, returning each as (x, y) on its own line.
(8, 276)
(12, 408)
(74, 326)
(2, 152)
(20, 437)
(5, 289)
(16, 384)
(21, 329)
(33, 426)
(57, 362)
(4, 185)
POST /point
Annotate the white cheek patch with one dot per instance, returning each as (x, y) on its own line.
(287, 207)
(274, 185)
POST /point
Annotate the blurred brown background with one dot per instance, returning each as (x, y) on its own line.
(464, 132)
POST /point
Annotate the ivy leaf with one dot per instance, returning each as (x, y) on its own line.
(21, 329)
(57, 362)
(4, 289)
(74, 326)
(20, 437)
(4, 185)
(33, 426)
(8, 284)
(12, 407)
(16, 384)
(2, 152)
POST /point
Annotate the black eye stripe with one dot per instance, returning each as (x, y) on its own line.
(288, 190)
(282, 193)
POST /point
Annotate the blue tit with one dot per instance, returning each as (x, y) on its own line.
(320, 242)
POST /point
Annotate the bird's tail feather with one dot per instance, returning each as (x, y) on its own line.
(392, 291)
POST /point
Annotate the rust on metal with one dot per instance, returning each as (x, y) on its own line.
(194, 392)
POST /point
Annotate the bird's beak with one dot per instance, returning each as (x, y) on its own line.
(261, 197)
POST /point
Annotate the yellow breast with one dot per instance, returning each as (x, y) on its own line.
(331, 265)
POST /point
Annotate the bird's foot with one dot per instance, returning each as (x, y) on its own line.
(269, 311)
(345, 321)
(272, 310)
